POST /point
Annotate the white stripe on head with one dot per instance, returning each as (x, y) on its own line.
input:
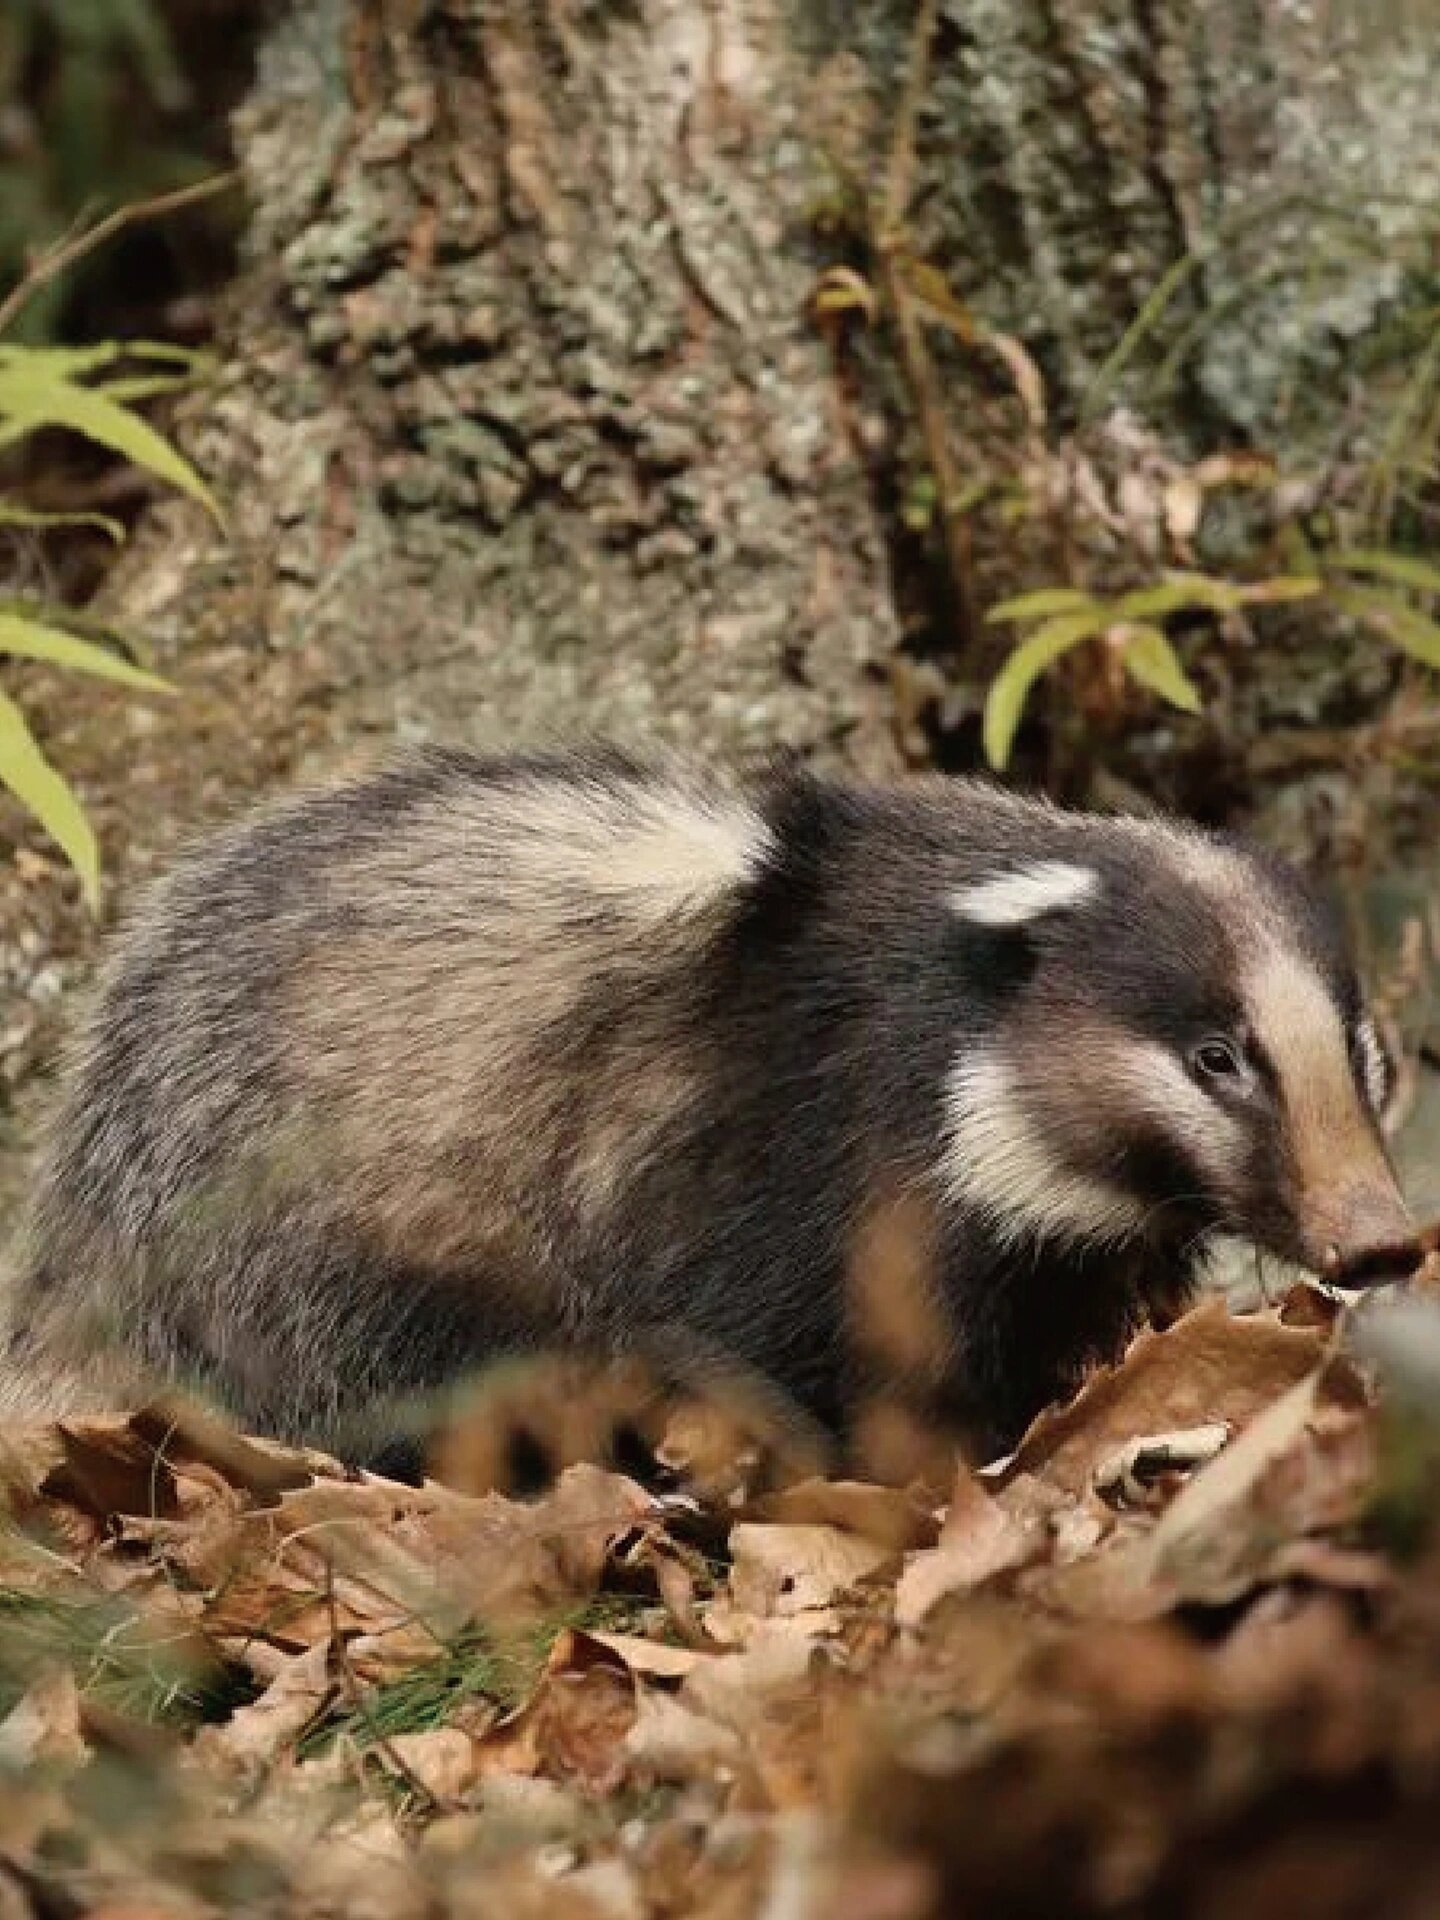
(997, 1162)
(1025, 893)
(1299, 1025)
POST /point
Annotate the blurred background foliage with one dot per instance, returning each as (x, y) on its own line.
(104, 102)
(106, 107)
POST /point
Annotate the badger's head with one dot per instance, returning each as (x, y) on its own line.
(1176, 1047)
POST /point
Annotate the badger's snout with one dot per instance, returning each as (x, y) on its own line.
(1363, 1236)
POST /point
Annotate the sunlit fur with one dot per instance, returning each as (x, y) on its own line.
(476, 1055)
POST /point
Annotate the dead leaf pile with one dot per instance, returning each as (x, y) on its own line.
(1179, 1655)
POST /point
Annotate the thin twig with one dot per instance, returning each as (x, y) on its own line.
(67, 252)
(915, 361)
(900, 174)
(355, 1701)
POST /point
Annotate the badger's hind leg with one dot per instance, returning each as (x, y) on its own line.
(284, 1322)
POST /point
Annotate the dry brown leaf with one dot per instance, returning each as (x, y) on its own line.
(651, 1659)
(1117, 1582)
(43, 1728)
(1322, 1564)
(979, 1541)
(732, 1687)
(1209, 1367)
(106, 1470)
(611, 1887)
(574, 1725)
(787, 1569)
(501, 1556)
(1305, 1306)
(404, 1568)
(516, 1811)
(1301, 1464)
(255, 1735)
(165, 1904)
(186, 1435)
(731, 1628)
(359, 1868)
(671, 1740)
(1195, 1525)
(886, 1516)
(442, 1759)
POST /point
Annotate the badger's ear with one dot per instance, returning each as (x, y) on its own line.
(1020, 895)
(1379, 1070)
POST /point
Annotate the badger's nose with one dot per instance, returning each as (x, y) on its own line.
(1367, 1237)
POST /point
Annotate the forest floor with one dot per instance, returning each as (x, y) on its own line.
(1179, 1656)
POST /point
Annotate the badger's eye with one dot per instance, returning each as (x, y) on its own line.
(1218, 1059)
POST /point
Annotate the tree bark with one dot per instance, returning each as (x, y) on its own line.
(523, 426)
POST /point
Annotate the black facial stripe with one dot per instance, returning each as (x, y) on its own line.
(1158, 1166)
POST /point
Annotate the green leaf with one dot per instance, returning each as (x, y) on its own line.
(65, 362)
(1403, 568)
(1041, 604)
(1179, 591)
(933, 291)
(1176, 596)
(13, 515)
(1152, 661)
(1412, 632)
(33, 640)
(38, 787)
(1281, 587)
(1010, 688)
(33, 396)
(60, 363)
(127, 388)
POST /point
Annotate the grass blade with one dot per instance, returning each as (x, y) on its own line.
(1404, 569)
(33, 396)
(33, 640)
(1412, 632)
(39, 788)
(1041, 604)
(1010, 688)
(1152, 662)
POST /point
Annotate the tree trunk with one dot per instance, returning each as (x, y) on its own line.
(523, 426)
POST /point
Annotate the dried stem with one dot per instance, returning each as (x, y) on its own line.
(68, 251)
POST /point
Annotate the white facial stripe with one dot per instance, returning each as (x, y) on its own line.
(1374, 1063)
(1025, 893)
(997, 1162)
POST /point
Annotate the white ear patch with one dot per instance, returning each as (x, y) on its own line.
(1374, 1063)
(1025, 893)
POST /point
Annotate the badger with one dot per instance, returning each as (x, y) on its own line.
(477, 1056)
